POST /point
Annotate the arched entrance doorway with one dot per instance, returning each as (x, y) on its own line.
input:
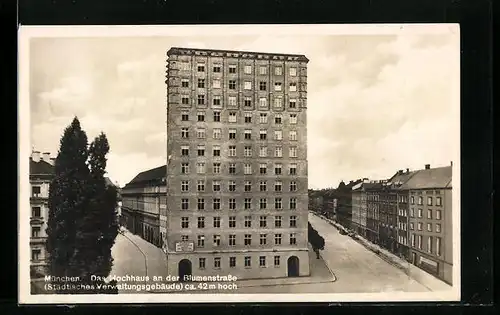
(185, 269)
(293, 266)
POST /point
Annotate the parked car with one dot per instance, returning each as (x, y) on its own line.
(342, 232)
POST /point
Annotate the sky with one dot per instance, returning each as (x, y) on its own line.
(376, 103)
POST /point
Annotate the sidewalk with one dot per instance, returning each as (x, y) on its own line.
(422, 277)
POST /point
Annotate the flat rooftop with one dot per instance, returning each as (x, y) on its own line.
(235, 54)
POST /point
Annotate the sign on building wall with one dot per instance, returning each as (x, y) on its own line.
(184, 246)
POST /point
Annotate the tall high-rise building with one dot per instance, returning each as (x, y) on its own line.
(237, 198)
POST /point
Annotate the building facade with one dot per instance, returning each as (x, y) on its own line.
(143, 203)
(344, 203)
(41, 174)
(237, 190)
(359, 207)
(372, 190)
(430, 221)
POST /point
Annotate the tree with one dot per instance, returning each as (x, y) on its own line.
(67, 201)
(317, 241)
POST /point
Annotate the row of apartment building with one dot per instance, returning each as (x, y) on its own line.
(409, 214)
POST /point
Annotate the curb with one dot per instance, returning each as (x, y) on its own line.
(329, 269)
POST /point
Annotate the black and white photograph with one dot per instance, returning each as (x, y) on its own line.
(239, 163)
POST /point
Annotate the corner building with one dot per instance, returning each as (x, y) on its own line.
(237, 198)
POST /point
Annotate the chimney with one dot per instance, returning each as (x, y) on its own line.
(451, 163)
(35, 155)
(427, 166)
(407, 170)
(46, 157)
(400, 172)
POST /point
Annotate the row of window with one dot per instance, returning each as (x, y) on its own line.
(202, 262)
(439, 201)
(402, 240)
(233, 117)
(429, 213)
(247, 134)
(247, 203)
(248, 219)
(433, 244)
(217, 186)
(247, 69)
(201, 99)
(247, 239)
(429, 227)
(247, 85)
(263, 151)
(216, 168)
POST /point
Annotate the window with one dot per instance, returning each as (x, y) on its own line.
(184, 152)
(232, 204)
(247, 69)
(185, 66)
(35, 254)
(35, 231)
(231, 100)
(36, 212)
(201, 116)
(278, 203)
(217, 68)
(262, 70)
(293, 203)
(438, 214)
(248, 185)
(438, 228)
(277, 169)
(413, 240)
(185, 116)
(429, 214)
(201, 204)
(248, 239)
(201, 222)
(412, 212)
(200, 168)
(263, 152)
(232, 221)
(277, 221)
(232, 68)
(278, 119)
(217, 259)
(293, 239)
(262, 168)
(277, 239)
(216, 150)
(278, 152)
(248, 221)
(429, 227)
(216, 117)
(293, 135)
(184, 185)
(293, 118)
(184, 168)
(201, 241)
(263, 203)
(232, 262)
(277, 86)
(278, 186)
(217, 132)
(263, 239)
(419, 226)
(411, 226)
(420, 200)
(293, 221)
(248, 134)
(292, 103)
(201, 67)
(293, 169)
(278, 135)
(420, 242)
(278, 70)
(293, 87)
(216, 168)
(216, 204)
(262, 261)
(216, 102)
(263, 186)
(201, 99)
(200, 133)
(232, 133)
(263, 102)
(200, 186)
(232, 168)
(232, 84)
(439, 201)
(293, 72)
(248, 261)
(248, 102)
(184, 204)
(429, 201)
(216, 240)
(248, 202)
(276, 261)
(278, 102)
(184, 133)
(262, 86)
(419, 213)
(293, 186)
(184, 222)
(201, 83)
(438, 246)
(263, 134)
(263, 118)
(232, 185)
(247, 85)
(429, 244)
(293, 152)
(412, 200)
(247, 168)
(216, 185)
(248, 118)
(262, 221)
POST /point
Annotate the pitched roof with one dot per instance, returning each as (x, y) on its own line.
(439, 177)
(108, 181)
(153, 176)
(398, 179)
(41, 168)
